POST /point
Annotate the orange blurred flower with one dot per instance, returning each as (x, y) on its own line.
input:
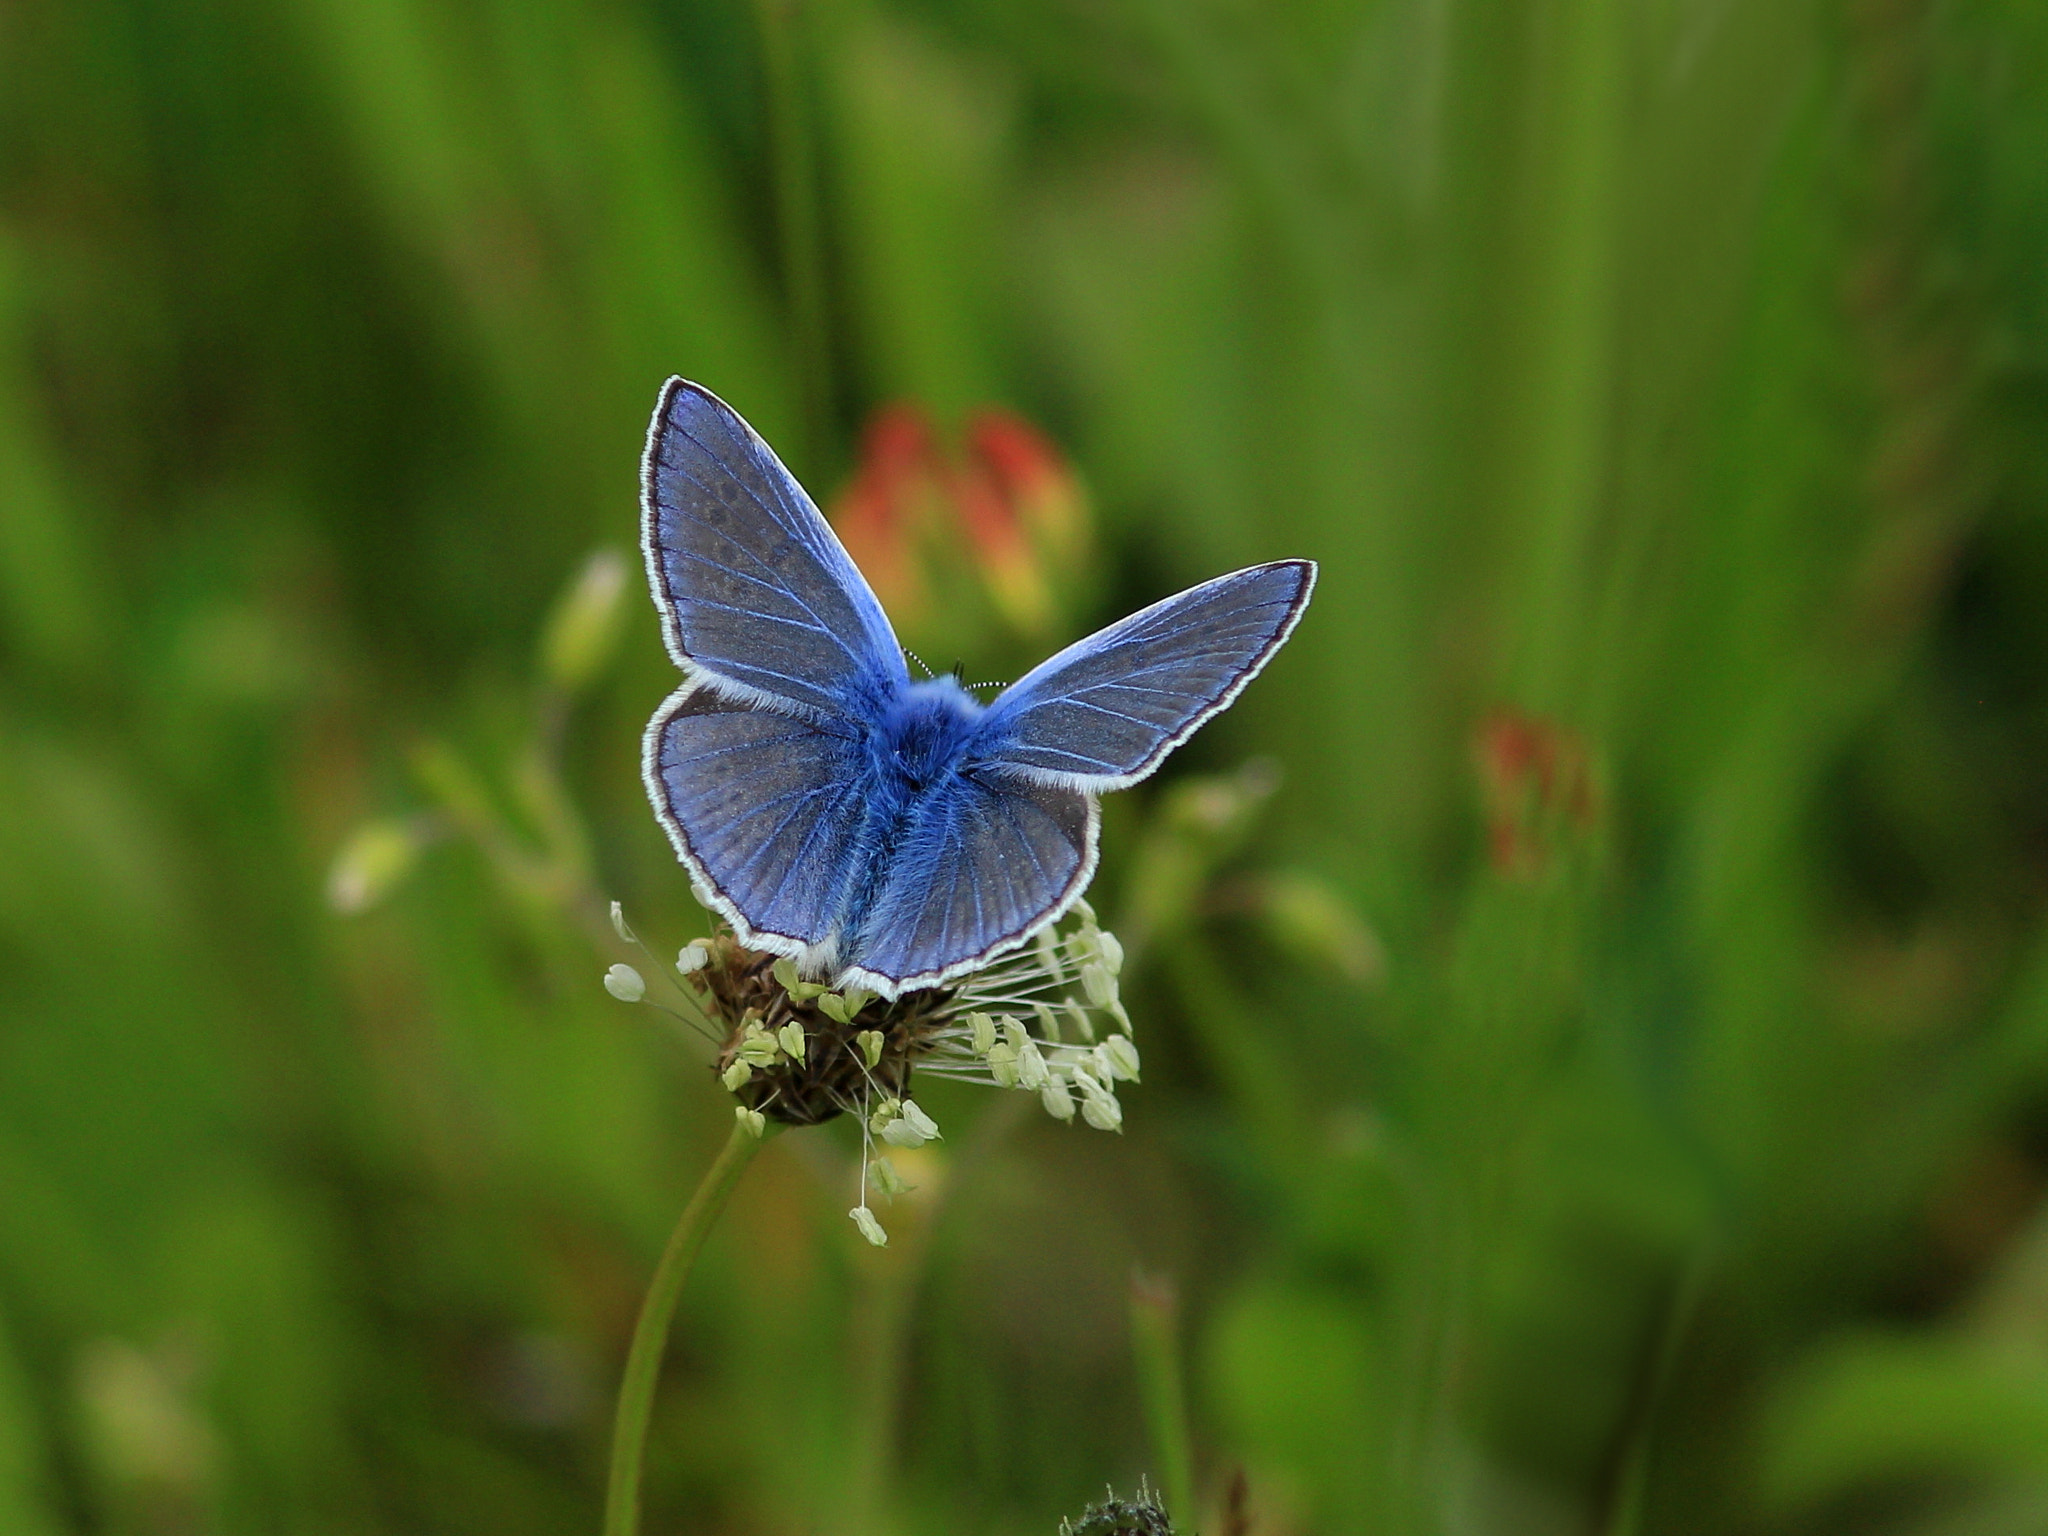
(1024, 513)
(1004, 507)
(885, 510)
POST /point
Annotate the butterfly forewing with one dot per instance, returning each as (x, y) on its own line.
(753, 586)
(1108, 709)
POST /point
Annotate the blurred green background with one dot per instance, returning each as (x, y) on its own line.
(1596, 1053)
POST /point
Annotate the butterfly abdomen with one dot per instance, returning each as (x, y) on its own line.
(915, 751)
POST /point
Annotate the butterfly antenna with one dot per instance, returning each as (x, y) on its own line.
(959, 670)
(928, 672)
(972, 687)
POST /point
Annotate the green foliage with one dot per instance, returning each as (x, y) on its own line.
(1593, 988)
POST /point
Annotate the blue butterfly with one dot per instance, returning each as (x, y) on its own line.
(885, 832)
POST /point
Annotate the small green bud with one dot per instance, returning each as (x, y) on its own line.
(884, 1116)
(842, 1006)
(792, 1037)
(870, 1042)
(758, 1048)
(1002, 1064)
(1102, 1111)
(983, 1029)
(1084, 1026)
(870, 1228)
(1032, 1072)
(619, 923)
(1048, 1021)
(1119, 1059)
(911, 1127)
(625, 983)
(1099, 982)
(736, 1076)
(884, 1179)
(1111, 951)
(581, 631)
(693, 957)
(755, 1122)
(784, 971)
(1058, 1101)
(371, 864)
(1086, 1083)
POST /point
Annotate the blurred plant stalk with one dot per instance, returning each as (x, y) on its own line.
(884, 1309)
(547, 864)
(1162, 1385)
(784, 59)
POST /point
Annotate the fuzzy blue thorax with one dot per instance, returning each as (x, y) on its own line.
(924, 732)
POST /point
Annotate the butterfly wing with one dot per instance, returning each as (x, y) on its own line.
(1106, 711)
(755, 590)
(1009, 844)
(766, 810)
(982, 865)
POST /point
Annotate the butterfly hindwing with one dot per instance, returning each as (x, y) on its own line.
(1107, 710)
(980, 867)
(754, 588)
(766, 809)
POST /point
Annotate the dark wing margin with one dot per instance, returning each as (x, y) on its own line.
(765, 811)
(985, 866)
(755, 590)
(1107, 710)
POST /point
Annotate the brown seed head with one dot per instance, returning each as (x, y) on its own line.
(834, 1075)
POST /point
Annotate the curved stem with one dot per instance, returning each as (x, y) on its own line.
(650, 1334)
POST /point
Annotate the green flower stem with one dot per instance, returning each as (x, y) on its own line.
(1155, 1340)
(650, 1335)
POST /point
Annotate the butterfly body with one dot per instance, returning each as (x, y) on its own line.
(927, 730)
(885, 831)
(917, 762)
